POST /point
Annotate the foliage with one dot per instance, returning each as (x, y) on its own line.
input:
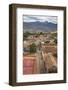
(55, 40)
(47, 42)
(25, 35)
(32, 48)
(53, 35)
(41, 33)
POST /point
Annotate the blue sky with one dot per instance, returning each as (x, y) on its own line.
(34, 18)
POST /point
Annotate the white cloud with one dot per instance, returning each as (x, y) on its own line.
(31, 18)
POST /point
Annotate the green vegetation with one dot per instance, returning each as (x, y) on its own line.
(32, 48)
(53, 35)
(46, 42)
(55, 40)
(41, 33)
(25, 35)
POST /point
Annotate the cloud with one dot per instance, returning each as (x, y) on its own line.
(34, 18)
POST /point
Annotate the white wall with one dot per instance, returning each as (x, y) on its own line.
(4, 44)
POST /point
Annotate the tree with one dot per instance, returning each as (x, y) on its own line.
(55, 40)
(25, 35)
(47, 42)
(32, 48)
(41, 33)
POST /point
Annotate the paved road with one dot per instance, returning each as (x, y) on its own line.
(40, 62)
(29, 65)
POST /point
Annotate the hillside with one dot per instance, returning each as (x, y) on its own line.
(38, 26)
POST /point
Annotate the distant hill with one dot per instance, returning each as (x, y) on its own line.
(39, 26)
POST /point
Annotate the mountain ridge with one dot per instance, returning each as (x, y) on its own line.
(38, 26)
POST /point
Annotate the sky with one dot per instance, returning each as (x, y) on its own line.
(33, 18)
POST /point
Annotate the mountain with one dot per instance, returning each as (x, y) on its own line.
(39, 26)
